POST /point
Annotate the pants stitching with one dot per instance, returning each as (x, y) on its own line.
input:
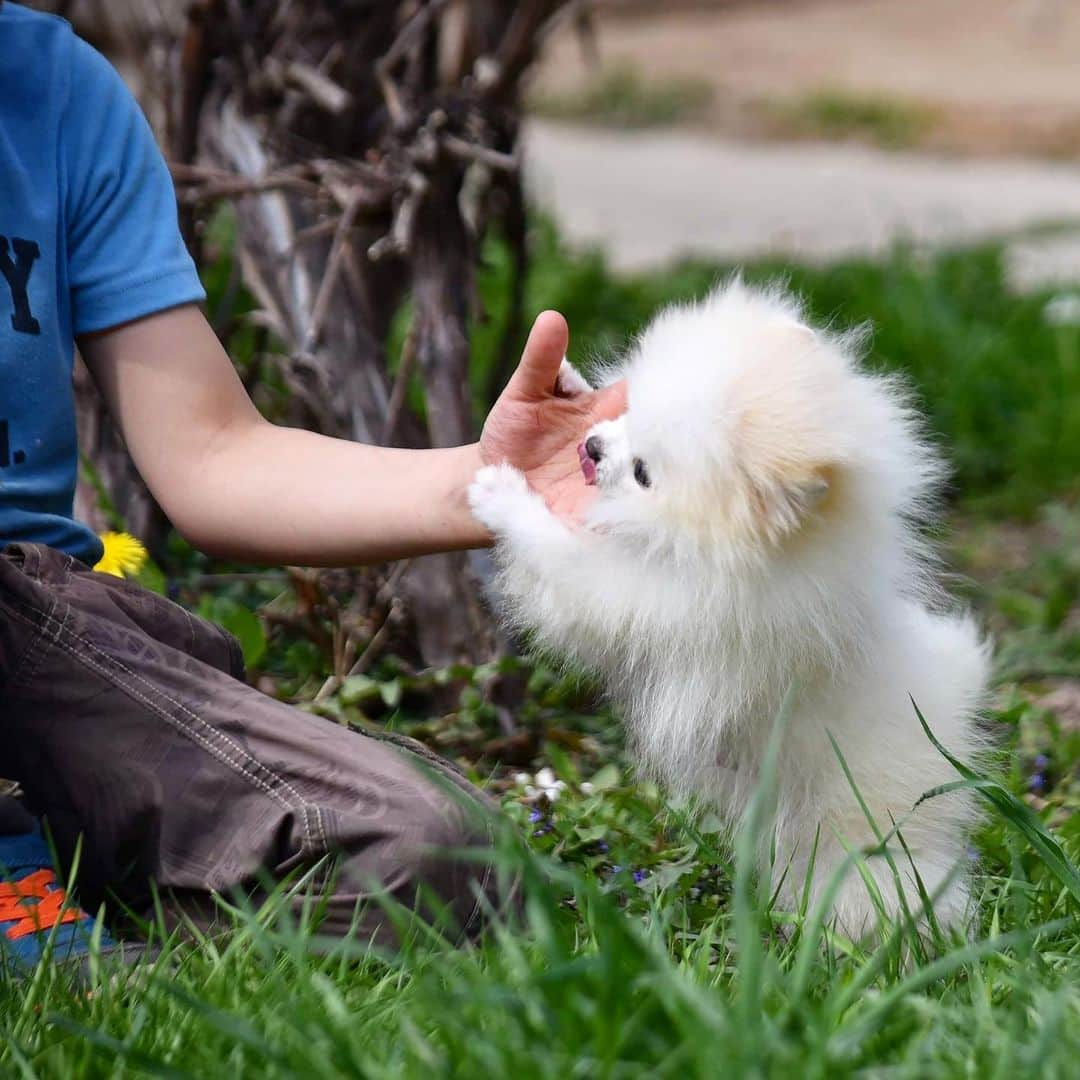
(320, 825)
(29, 661)
(186, 728)
(191, 627)
(43, 637)
(235, 747)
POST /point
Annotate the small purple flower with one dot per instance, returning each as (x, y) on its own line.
(1041, 762)
(1037, 783)
(640, 876)
(544, 829)
(602, 847)
(535, 815)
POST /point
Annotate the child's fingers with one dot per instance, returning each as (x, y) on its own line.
(538, 371)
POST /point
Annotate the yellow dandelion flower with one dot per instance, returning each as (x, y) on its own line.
(124, 555)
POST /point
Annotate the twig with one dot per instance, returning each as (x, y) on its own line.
(329, 278)
(332, 683)
(319, 87)
(409, 33)
(363, 661)
(197, 184)
(497, 73)
(399, 239)
(344, 183)
(468, 151)
(371, 650)
(316, 232)
(386, 590)
(400, 387)
(184, 172)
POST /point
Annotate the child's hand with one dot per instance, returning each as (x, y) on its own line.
(536, 425)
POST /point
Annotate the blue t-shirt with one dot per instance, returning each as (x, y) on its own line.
(88, 241)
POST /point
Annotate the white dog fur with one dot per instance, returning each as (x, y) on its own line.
(777, 544)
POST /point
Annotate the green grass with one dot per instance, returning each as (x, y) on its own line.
(681, 969)
(619, 97)
(645, 947)
(838, 114)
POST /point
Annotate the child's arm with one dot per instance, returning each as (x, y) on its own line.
(238, 486)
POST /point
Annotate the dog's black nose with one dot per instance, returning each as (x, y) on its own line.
(594, 447)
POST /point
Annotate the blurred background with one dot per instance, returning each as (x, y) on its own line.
(381, 196)
(809, 128)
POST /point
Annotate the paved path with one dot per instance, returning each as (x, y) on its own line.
(647, 198)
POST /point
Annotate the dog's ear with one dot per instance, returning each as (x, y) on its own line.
(792, 500)
(570, 382)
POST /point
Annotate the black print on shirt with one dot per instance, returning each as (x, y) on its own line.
(6, 456)
(16, 273)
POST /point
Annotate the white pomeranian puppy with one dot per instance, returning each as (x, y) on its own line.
(757, 528)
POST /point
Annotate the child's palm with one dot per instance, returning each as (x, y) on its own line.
(537, 428)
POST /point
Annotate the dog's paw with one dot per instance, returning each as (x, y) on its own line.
(570, 382)
(498, 495)
(854, 907)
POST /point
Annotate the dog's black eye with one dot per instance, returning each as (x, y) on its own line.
(641, 474)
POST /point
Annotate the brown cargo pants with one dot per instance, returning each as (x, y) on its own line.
(127, 722)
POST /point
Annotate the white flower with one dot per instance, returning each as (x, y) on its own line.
(546, 785)
(586, 788)
(1063, 310)
(546, 778)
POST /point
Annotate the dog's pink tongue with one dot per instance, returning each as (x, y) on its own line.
(588, 466)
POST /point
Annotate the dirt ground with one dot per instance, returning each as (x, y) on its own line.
(1000, 76)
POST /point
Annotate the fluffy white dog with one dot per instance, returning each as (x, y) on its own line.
(756, 528)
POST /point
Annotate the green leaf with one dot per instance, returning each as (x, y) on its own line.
(303, 659)
(391, 693)
(241, 622)
(607, 777)
(152, 577)
(358, 688)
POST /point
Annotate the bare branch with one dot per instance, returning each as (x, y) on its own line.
(409, 36)
(469, 151)
(322, 90)
(398, 240)
(400, 387)
(333, 265)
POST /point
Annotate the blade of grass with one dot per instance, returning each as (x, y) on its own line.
(1016, 814)
(881, 1004)
(121, 1051)
(746, 898)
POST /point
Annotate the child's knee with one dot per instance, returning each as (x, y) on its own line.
(432, 851)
